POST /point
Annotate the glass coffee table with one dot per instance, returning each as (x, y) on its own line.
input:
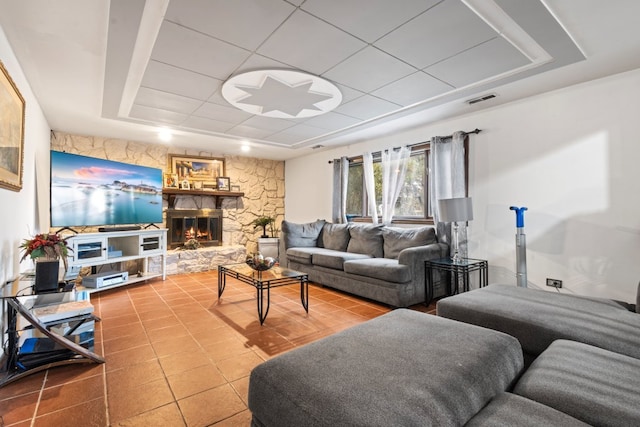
(264, 281)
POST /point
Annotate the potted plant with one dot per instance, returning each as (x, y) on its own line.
(263, 221)
(48, 246)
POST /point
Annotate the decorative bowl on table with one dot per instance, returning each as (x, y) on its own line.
(259, 262)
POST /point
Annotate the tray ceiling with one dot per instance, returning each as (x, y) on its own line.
(386, 60)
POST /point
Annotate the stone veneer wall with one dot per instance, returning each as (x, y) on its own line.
(262, 181)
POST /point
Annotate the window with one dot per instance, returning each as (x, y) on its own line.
(412, 204)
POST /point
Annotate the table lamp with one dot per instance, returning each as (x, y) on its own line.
(455, 210)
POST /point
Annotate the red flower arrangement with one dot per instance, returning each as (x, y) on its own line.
(46, 245)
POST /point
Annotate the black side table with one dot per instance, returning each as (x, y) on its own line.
(457, 273)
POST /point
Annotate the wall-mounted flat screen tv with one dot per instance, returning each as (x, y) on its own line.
(86, 191)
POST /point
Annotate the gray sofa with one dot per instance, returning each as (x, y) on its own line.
(377, 262)
(413, 369)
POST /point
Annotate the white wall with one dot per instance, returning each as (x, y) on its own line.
(571, 156)
(26, 212)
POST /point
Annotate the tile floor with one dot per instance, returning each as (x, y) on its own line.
(178, 356)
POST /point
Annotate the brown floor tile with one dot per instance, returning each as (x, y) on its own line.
(24, 385)
(161, 323)
(75, 372)
(115, 332)
(178, 362)
(70, 394)
(211, 406)
(125, 342)
(241, 387)
(130, 356)
(169, 332)
(171, 345)
(242, 419)
(133, 375)
(239, 366)
(87, 413)
(127, 403)
(193, 381)
(115, 322)
(19, 408)
(230, 347)
(164, 416)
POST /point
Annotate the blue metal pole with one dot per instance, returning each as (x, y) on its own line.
(521, 247)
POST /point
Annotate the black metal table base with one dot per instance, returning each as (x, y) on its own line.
(265, 285)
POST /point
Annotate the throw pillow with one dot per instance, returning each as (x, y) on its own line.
(396, 239)
(301, 235)
(366, 239)
(335, 236)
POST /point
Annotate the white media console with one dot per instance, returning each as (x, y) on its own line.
(102, 249)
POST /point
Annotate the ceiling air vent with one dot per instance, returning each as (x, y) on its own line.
(481, 98)
(315, 147)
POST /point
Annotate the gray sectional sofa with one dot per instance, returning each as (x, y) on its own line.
(377, 262)
(413, 369)
(537, 318)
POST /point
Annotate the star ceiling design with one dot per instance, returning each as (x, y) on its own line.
(274, 95)
(281, 93)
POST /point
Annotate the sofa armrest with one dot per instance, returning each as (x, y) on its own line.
(419, 254)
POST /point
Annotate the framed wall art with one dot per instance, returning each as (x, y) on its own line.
(12, 108)
(223, 183)
(170, 180)
(196, 168)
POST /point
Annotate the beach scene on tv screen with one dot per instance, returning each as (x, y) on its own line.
(91, 191)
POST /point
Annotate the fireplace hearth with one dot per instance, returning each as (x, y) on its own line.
(204, 225)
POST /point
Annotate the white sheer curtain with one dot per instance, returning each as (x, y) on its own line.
(394, 168)
(367, 171)
(447, 180)
(340, 181)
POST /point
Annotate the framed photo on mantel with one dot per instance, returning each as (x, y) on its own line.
(223, 183)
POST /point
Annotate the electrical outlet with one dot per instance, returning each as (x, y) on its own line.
(555, 283)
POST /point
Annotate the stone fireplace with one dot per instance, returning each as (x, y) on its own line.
(204, 225)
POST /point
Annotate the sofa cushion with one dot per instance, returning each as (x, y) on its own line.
(386, 372)
(301, 235)
(597, 386)
(537, 318)
(334, 236)
(335, 259)
(379, 268)
(509, 409)
(396, 239)
(366, 239)
(305, 255)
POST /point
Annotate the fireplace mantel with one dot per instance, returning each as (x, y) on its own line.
(217, 195)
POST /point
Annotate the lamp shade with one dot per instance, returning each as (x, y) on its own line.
(455, 210)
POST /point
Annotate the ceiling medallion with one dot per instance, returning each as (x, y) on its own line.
(281, 94)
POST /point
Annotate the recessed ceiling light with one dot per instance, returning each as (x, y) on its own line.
(281, 94)
(245, 147)
(164, 134)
